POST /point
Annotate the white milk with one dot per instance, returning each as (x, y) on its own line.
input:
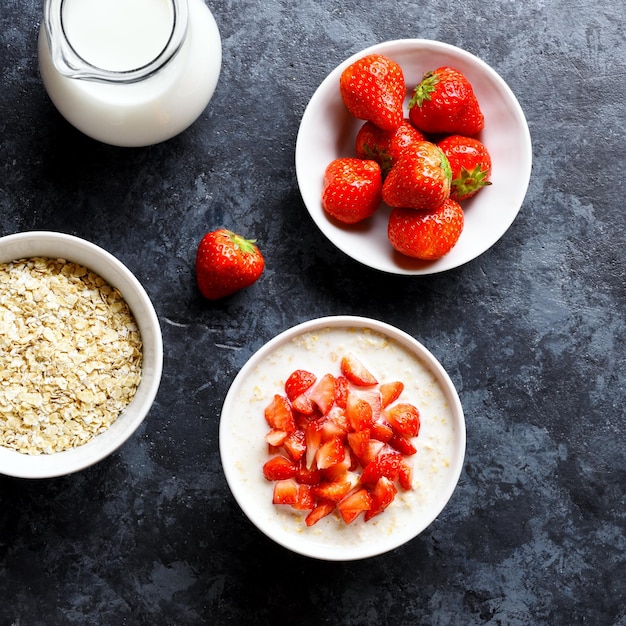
(118, 35)
(122, 35)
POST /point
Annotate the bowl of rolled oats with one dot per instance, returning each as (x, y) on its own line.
(81, 354)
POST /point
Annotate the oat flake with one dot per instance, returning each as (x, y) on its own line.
(70, 355)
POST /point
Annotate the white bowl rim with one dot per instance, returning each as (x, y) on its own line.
(343, 553)
(311, 193)
(50, 244)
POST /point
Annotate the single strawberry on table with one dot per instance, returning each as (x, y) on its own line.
(385, 146)
(352, 189)
(226, 262)
(373, 88)
(426, 235)
(444, 102)
(420, 179)
(470, 163)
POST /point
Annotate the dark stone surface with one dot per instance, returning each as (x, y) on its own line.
(532, 333)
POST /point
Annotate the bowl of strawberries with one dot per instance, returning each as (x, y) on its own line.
(413, 157)
(342, 438)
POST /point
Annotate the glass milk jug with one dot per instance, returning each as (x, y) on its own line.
(129, 72)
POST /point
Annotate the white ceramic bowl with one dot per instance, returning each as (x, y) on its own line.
(390, 354)
(327, 131)
(59, 245)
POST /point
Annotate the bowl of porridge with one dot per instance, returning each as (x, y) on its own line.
(80, 354)
(327, 505)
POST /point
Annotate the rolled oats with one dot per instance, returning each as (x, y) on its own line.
(70, 355)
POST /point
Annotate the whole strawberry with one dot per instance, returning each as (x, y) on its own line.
(470, 163)
(444, 103)
(420, 179)
(426, 235)
(352, 189)
(385, 146)
(226, 263)
(373, 88)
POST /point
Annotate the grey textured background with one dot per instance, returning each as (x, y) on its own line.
(532, 333)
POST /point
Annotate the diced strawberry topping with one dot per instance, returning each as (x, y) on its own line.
(402, 445)
(354, 504)
(404, 418)
(342, 386)
(331, 491)
(339, 443)
(279, 468)
(356, 372)
(295, 444)
(385, 464)
(323, 393)
(405, 477)
(390, 392)
(298, 382)
(319, 512)
(330, 453)
(279, 415)
(382, 495)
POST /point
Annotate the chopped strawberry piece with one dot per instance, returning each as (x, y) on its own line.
(386, 464)
(279, 415)
(285, 492)
(359, 412)
(404, 418)
(356, 372)
(306, 476)
(319, 512)
(313, 438)
(390, 392)
(382, 495)
(405, 478)
(330, 453)
(304, 499)
(295, 444)
(276, 438)
(323, 393)
(336, 424)
(279, 468)
(364, 447)
(354, 504)
(340, 469)
(381, 431)
(298, 382)
(402, 445)
(302, 404)
(331, 491)
(342, 385)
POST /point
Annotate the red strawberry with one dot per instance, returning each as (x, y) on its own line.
(356, 372)
(405, 478)
(385, 464)
(404, 418)
(330, 453)
(354, 504)
(295, 444)
(352, 189)
(444, 103)
(341, 391)
(402, 444)
(373, 89)
(279, 468)
(420, 179)
(382, 495)
(323, 393)
(359, 412)
(319, 512)
(331, 491)
(226, 263)
(426, 235)
(470, 163)
(390, 392)
(279, 415)
(385, 146)
(298, 382)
